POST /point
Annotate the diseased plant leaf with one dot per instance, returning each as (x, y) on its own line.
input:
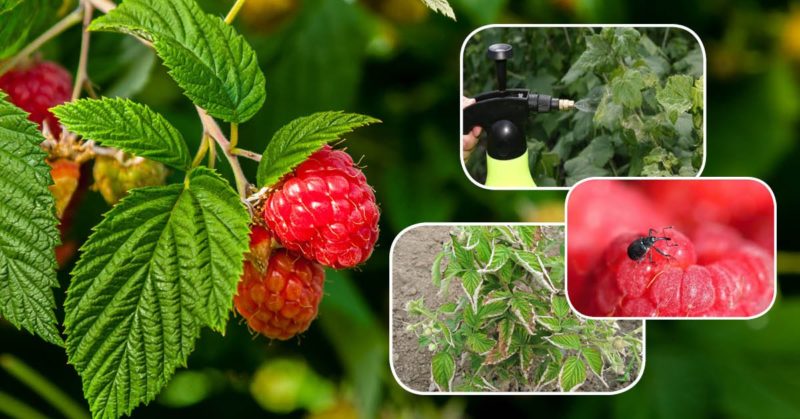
(572, 375)
(443, 369)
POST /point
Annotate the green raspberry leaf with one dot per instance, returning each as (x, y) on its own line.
(443, 369)
(677, 95)
(163, 262)
(572, 375)
(22, 21)
(297, 140)
(127, 125)
(28, 232)
(212, 63)
(441, 6)
(568, 342)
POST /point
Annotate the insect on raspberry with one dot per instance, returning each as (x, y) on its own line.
(641, 247)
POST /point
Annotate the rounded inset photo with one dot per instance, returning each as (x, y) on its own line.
(671, 248)
(549, 106)
(481, 309)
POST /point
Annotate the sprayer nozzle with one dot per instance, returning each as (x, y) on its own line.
(565, 104)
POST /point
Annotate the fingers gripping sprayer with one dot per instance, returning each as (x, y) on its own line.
(503, 115)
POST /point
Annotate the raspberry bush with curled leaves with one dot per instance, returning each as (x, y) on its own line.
(721, 248)
(166, 261)
(509, 328)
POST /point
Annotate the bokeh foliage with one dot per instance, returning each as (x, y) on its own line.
(398, 62)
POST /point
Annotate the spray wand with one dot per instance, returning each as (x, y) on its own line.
(503, 115)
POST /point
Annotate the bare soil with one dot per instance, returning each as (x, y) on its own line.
(412, 259)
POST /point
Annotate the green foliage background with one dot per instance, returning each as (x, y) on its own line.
(641, 90)
(333, 54)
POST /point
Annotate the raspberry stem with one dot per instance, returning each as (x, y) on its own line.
(67, 22)
(81, 76)
(234, 11)
(211, 127)
(42, 387)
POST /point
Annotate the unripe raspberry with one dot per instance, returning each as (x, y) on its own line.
(113, 179)
(36, 88)
(66, 174)
(326, 210)
(281, 301)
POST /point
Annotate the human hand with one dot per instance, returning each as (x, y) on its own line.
(470, 139)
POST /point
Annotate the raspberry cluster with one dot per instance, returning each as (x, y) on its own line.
(36, 88)
(322, 213)
(720, 254)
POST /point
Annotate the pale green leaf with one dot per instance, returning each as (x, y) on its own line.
(551, 323)
(560, 306)
(471, 282)
(498, 257)
(677, 95)
(462, 256)
(523, 311)
(572, 375)
(443, 369)
(28, 232)
(567, 341)
(594, 360)
(480, 343)
(626, 89)
(162, 263)
(436, 270)
(490, 309)
(214, 65)
(127, 125)
(550, 373)
(441, 6)
(297, 140)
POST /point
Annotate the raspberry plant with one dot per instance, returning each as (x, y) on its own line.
(511, 328)
(166, 259)
(641, 92)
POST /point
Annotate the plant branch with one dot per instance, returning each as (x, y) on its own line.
(104, 6)
(67, 22)
(211, 127)
(81, 76)
(68, 407)
(212, 152)
(201, 152)
(234, 11)
(246, 154)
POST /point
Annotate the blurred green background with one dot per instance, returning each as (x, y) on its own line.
(395, 60)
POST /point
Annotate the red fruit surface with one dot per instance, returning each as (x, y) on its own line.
(721, 247)
(743, 204)
(597, 212)
(37, 88)
(326, 210)
(736, 279)
(281, 301)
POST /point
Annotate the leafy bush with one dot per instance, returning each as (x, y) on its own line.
(511, 328)
(641, 92)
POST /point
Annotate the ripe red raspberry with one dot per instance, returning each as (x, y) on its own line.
(280, 300)
(37, 88)
(326, 210)
(734, 280)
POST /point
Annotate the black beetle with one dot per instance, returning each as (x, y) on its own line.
(640, 247)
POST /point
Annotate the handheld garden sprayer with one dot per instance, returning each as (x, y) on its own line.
(503, 115)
